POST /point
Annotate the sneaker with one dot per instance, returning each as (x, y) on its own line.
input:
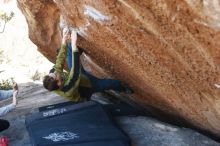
(3, 141)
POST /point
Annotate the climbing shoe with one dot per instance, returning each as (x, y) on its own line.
(127, 89)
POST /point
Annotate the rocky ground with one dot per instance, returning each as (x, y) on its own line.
(144, 131)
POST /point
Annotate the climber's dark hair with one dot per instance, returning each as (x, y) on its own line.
(50, 83)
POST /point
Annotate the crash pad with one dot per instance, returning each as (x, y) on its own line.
(84, 124)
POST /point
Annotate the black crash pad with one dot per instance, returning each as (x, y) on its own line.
(114, 110)
(83, 124)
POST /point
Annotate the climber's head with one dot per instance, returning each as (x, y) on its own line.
(50, 82)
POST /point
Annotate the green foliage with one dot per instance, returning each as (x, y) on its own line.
(5, 17)
(6, 84)
(36, 76)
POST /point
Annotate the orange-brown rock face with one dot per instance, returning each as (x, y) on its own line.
(167, 50)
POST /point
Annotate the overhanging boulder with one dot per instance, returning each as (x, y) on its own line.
(167, 51)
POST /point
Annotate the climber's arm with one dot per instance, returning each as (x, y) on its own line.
(62, 53)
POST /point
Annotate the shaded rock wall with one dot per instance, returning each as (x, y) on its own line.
(167, 50)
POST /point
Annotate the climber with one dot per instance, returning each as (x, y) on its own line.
(4, 94)
(77, 84)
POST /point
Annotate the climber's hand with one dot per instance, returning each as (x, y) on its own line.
(73, 40)
(15, 86)
(66, 35)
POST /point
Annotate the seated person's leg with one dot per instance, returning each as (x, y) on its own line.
(4, 124)
(4, 94)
